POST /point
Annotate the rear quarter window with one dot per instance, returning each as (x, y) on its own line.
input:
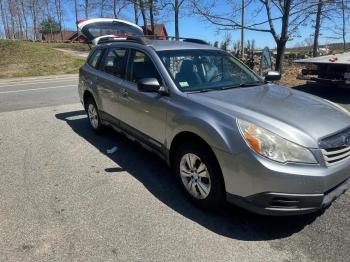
(94, 58)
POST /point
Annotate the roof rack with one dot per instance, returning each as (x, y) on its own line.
(111, 39)
(191, 40)
(145, 40)
(174, 38)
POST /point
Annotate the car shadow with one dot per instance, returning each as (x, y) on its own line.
(156, 176)
(335, 94)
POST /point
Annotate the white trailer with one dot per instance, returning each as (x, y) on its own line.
(327, 70)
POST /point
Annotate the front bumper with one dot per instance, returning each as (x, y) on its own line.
(266, 187)
(281, 204)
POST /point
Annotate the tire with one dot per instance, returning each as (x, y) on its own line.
(94, 116)
(207, 188)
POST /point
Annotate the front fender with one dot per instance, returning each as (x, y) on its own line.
(222, 134)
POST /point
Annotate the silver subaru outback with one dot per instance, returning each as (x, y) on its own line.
(227, 133)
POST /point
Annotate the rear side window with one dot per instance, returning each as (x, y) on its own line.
(93, 60)
(113, 62)
(141, 66)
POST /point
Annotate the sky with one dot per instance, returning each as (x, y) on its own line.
(196, 27)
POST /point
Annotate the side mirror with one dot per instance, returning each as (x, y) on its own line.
(148, 85)
(272, 76)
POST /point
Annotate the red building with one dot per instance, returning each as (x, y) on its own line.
(159, 30)
(65, 36)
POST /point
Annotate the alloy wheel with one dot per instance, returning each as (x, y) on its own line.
(195, 176)
(93, 116)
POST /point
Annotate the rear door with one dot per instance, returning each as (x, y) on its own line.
(110, 78)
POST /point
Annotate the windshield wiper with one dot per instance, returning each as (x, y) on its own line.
(257, 83)
(203, 90)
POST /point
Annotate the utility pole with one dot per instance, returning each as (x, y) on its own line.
(76, 17)
(343, 7)
(242, 30)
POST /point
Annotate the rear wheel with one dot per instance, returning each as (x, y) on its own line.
(93, 115)
(200, 176)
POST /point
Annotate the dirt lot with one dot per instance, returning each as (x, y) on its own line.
(289, 76)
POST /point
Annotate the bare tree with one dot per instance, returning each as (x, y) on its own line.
(76, 15)
(308, 42)
(226, 42)
(59, 15)
(242, 28)
(175, 7)
(144, 16)
(24, 14)
(21, 18)
(135, 4)
(4, 19)
(282, 38)
(102, 4)
(344, 9)
(338, 21)
(49, 17)
(118, 6)
(317, 27)
(136, 12)
(34, 11)
(86, 8)
(324, 9)
(115, 4)
(12, 15)
(282, 19)
(151, 15)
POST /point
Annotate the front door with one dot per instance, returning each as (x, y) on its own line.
(145, 112)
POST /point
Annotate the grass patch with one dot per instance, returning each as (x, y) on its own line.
(22, 58)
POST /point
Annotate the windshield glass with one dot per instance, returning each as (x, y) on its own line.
(195, 70)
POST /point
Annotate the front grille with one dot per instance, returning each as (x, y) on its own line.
(336, 148)
(335, 155)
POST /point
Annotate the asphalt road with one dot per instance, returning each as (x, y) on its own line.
(63, 198)
(33, 92)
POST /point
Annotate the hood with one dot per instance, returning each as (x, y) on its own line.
(95, 29)
(294, 115)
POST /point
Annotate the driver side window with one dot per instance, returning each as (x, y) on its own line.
(141, 66)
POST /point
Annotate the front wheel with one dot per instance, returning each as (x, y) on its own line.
(200, 176)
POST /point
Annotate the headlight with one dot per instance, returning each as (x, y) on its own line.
(273, 146)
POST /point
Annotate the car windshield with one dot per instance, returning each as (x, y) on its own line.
(206, 70)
